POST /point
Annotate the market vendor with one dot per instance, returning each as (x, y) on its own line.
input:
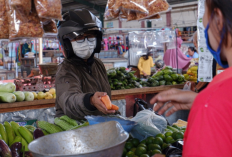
(209, 127)
(192, 53)
(81, 79)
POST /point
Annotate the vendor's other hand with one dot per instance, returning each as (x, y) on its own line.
(144, 74)
(175, 99)
(96, 101)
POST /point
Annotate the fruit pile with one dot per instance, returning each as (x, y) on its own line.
(153, 145)
(119, 78)
(192, 74)
(51, 94)
(164, 77)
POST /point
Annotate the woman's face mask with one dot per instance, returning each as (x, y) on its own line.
(84, 49)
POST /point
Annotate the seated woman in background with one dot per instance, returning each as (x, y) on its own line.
(144, 65)
(192, 53)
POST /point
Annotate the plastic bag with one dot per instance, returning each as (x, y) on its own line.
(4, 24)
(19, 28)
(131, 15)
(136, 5)
(117, 5)
(23, 7)
(142, 16)
(157, 6)
(49, 9)
(110, 14)
(50, 27)
(149, 124)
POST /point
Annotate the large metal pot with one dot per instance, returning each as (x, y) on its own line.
(48, 69)
(100, 140)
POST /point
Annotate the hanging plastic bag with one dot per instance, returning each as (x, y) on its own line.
(23, 7)
(157, 6)
(49, 9)
(19, 28)
(131, 15)
(136, 5)
(110, 14)
(50, 27)
(149, 124)
(4, 24)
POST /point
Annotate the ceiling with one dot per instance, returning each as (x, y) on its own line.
(98, 6)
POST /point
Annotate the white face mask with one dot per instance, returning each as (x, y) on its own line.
(84, 50)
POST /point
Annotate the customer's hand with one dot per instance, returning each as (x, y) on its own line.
(175, 99)
(96, 101)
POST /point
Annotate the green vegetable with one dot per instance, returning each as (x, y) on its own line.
(82, 125)
(50, 128)
(174, 83)
(63, 124)
(17, 139)
(168, 78)
(3, 133)
(7, 87)
(174, 77)
(168, 83)
(69, 120)
(45, 132)
(168, 68)
(1, 137)
(29, 96)
(162, 82)
(155, 83)
(26, 134)
(30, 128)
(172, 129)
(168, 72)
(24, 145)
(10, 132)
(7, 97)
(15, 127)
(19, 96)
(181, 78)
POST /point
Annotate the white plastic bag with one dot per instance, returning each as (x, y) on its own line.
(149, 124)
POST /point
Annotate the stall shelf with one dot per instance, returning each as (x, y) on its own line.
(116, 95)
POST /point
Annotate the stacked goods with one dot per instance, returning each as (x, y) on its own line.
(192, 74)
(9, 95)
(135, 9)
(154, 144)
(164, 77)
(51, 94)
(28, 18)
(119, 78)
(63, 123)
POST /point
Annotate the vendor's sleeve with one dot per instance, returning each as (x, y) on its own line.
(70, 97)
(140, 64)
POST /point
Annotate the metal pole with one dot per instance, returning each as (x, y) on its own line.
(40, 51)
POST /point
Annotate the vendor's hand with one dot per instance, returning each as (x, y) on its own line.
(175, 99)
(96, 101)
(144, 73)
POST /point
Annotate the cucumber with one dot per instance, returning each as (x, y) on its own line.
(172, 129)
(3, 133)
(26, 134)
(7, 87)
(29, 96)
(15, 127)
(10, 132)
(19, 96)
(7, 97)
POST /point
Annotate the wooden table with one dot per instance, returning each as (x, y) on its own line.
(116, 95)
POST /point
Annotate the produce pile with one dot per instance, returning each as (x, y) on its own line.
(14, 139)
(164, 77)
(9, 95)
(119, 78)
(192, 74)
(153, 145)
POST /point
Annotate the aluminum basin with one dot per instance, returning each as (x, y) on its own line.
(103, 140)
